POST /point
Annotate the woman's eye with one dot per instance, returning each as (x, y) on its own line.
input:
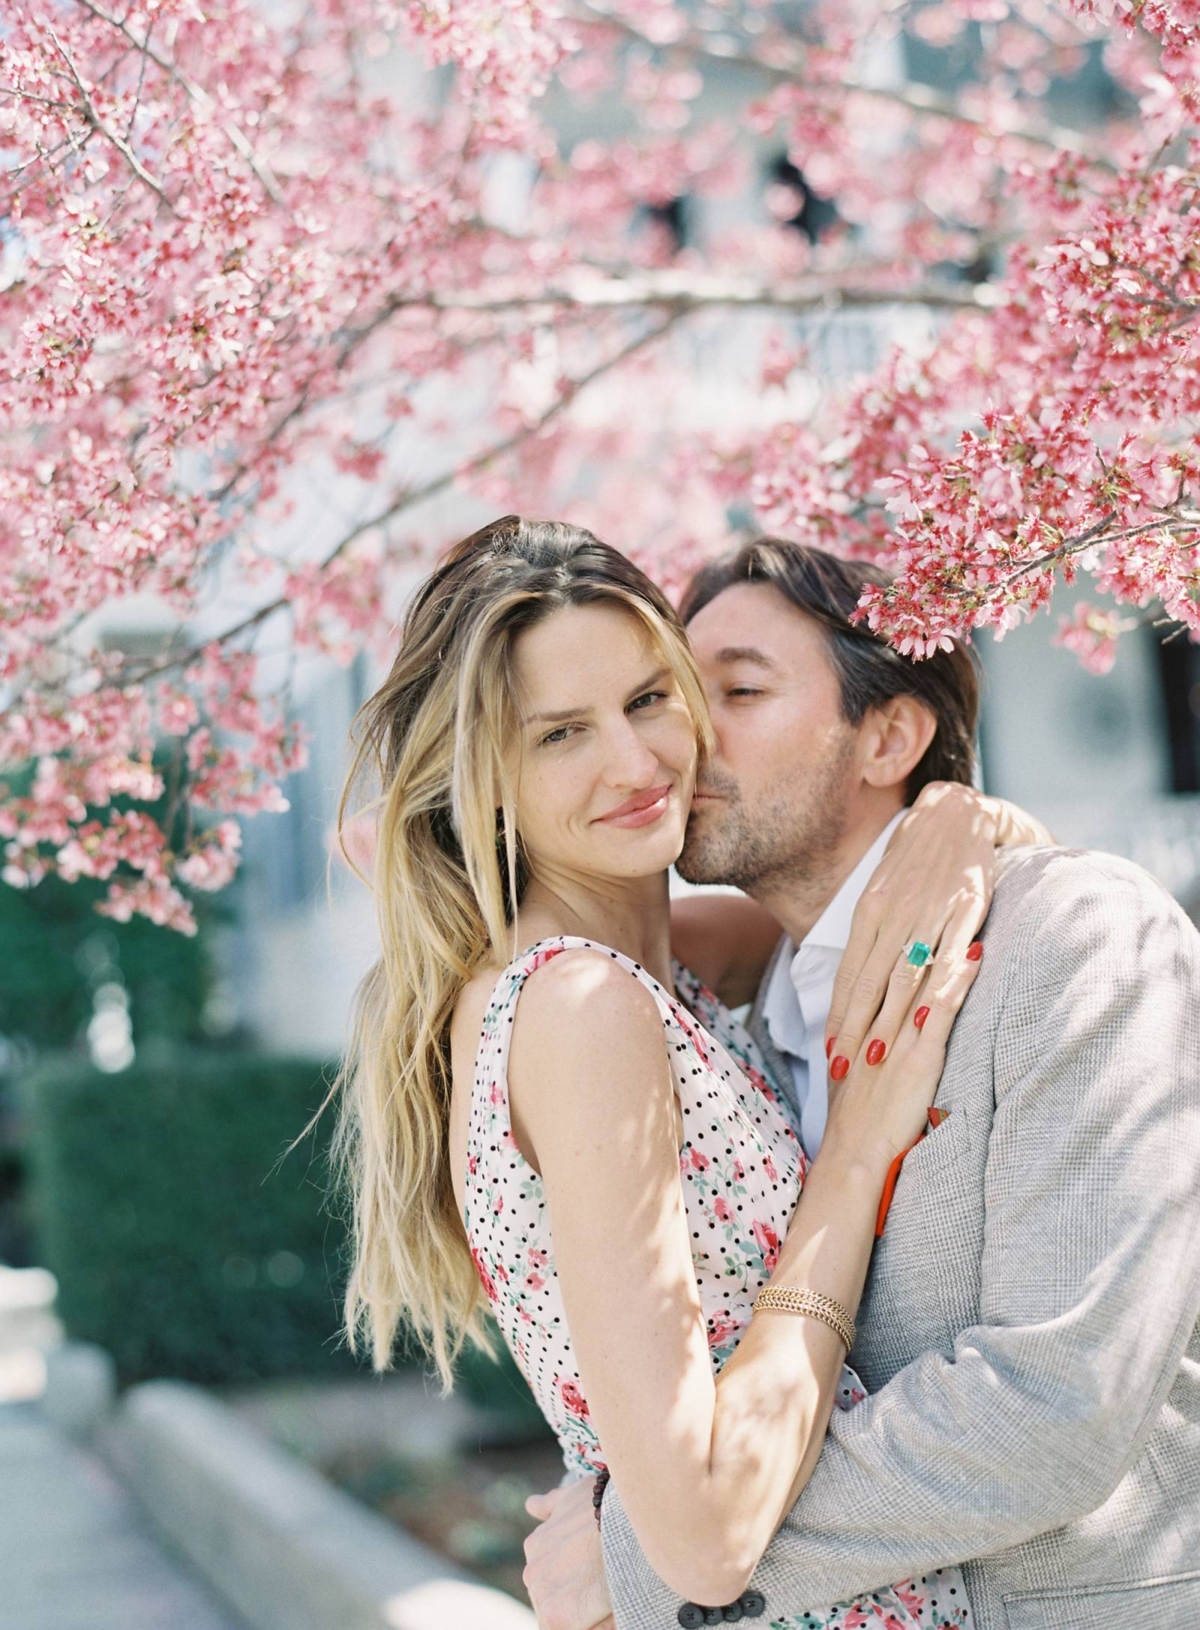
(555, 736)
(743, 690)
(649, 696)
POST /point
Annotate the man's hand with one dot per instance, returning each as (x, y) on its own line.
(564, 1565)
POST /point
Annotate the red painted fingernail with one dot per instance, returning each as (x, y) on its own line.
(974, 950)
(920, 1016)
(829, 1046)
(876, 1051)
(839, 1067)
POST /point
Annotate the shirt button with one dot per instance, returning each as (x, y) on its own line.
(753, 1603)
(714, 1615)
(733, 1613)
(690, 1616)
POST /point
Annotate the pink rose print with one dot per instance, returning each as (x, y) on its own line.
(855, 1618)
(910, 1596)
(721, 1329)
(769, 1168)
(536, 1258)
(534, 1281)
(758, 1081)
(768, 1244)
(700, 1161)
(472, 1164)
(485, 1278)
(574, 1399)
(542, 957)
(722, 1209)
(739, 1171)
(690, 1032)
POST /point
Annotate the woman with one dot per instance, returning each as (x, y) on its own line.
(544, 1113)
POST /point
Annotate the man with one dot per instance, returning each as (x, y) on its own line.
(1028, 1332)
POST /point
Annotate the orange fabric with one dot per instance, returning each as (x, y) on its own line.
(889, 1186)
(936, 1117)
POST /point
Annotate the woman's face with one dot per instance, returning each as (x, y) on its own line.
(607, 751)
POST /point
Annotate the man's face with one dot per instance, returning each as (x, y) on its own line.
(774, 801)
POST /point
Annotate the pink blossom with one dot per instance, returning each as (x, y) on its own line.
(266, 300)
(1092, 635)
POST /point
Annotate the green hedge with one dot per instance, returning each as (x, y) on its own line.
(181, 1242)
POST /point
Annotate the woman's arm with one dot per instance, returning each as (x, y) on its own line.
(726, 940)
(934, 884)
(707, 1468)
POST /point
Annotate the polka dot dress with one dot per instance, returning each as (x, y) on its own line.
(741, 1167)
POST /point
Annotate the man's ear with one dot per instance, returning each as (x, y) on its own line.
(894, 738)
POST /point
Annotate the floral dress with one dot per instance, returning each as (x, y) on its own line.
(742, 1168)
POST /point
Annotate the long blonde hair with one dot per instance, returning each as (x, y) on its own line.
(436, 740)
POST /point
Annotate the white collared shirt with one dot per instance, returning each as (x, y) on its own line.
(800, 994)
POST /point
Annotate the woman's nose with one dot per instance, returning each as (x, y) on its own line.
(630, 760)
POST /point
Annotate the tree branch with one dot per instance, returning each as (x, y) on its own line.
(688, 292)
(414, 496)
(1177, 523)
(196, 93)
(94, 119)
(917, 98)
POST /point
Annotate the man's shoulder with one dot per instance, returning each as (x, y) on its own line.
(1046, 874)
(1057, 905)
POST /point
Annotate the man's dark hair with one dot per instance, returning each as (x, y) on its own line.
(869, 670)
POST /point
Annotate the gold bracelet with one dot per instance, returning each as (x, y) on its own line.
(813, 1303)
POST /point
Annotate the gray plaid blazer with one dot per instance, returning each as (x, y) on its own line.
(1028, 1332)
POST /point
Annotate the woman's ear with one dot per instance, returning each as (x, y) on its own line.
(895, 738)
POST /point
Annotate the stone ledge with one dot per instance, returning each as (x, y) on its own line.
(284, 1547)
(80, 1386)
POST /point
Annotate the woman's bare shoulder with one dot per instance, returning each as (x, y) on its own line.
(583, 986)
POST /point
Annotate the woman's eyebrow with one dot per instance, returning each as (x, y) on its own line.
(561, 715)
(656, 678)
(557, 717)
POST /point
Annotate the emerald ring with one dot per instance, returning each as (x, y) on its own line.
(918, 953)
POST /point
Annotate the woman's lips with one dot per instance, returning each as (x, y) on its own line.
(641, 809)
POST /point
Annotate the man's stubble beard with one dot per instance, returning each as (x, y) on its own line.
(787, 839)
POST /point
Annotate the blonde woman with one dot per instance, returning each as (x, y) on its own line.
(547, 1117)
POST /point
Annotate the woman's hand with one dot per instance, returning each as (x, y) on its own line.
(879, 1108)
(934, 885)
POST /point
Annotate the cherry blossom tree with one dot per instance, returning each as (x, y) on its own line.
(277, 278)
